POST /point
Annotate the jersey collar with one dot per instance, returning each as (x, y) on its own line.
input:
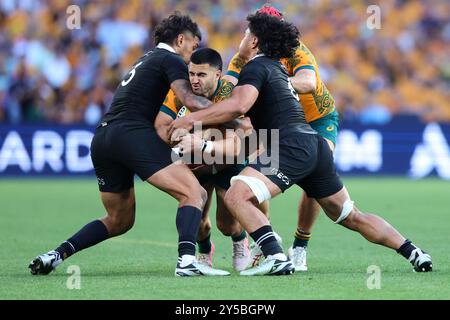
(163, 45)
(257, 56)
(219, 84)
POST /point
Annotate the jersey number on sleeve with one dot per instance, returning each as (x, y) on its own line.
(132, 73)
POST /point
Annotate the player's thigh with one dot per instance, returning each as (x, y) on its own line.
(178, 181)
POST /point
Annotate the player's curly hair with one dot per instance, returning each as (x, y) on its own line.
(277, 38)
(168, 29)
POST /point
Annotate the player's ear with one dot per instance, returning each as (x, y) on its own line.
(218, 74)
(255, 42)
(179, 40)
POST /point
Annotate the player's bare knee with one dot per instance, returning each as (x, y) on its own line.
(201, 195)
(195, 196)
(346, 213)
(119, 223)
(236, 196)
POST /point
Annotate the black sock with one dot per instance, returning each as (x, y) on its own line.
(266, 240)
(406, 249)
(240, 236)
(204, 246)
(65, 249)
(188, 222)
(91, 234)
(301, 238)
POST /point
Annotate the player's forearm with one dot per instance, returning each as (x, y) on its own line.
(183, 91)
(162, 123)
(219, 113)
(196, 103)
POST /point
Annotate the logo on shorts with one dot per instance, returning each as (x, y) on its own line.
(330, 128)
(101, 181)
(280, 175)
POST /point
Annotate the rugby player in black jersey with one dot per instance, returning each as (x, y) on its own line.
(300, 156)
(126, 143)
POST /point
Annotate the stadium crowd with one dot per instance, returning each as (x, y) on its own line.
(51, 73)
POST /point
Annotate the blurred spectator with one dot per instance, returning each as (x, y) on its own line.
(50, 73)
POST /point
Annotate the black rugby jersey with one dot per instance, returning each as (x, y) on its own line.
(142, 91)
(277, 105)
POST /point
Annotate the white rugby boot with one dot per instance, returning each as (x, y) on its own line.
(277, 264)
(188, 266)
(298, 257)
(45, 263)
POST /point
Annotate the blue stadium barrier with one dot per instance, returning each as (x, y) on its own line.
(30, 150)
(405, 146)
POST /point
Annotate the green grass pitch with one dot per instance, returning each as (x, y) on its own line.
(36, 215)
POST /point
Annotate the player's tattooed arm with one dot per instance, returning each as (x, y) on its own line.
(183, 91)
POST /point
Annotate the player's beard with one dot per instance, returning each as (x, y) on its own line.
(201, 91)
(198, 91)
